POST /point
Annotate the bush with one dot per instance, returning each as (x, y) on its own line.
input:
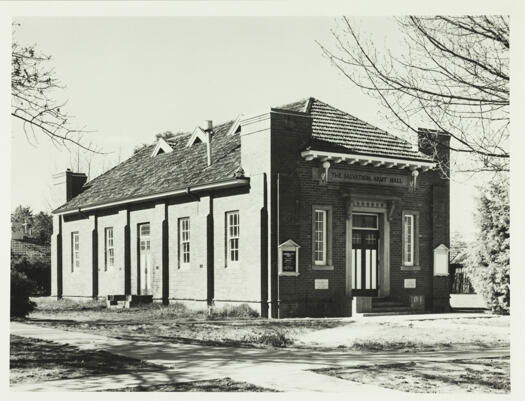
(21, 289)
(488, 263)
(243, 311)
(36, 269)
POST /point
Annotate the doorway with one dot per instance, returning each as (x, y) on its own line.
(144, 259)
(365, 254)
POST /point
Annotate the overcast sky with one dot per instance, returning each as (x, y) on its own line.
(129, 78)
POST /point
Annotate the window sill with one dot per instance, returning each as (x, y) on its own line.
(322, 267)
(411, 268)
(291, 274)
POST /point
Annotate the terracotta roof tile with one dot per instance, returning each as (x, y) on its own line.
(142, 175)
(337, 131)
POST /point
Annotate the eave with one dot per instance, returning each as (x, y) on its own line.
(367, 160)
(233, 183)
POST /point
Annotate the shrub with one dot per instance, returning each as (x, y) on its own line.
(243, 311)
(21, 289)
(36, 269)
(488, 263)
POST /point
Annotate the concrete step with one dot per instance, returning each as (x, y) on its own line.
(394, 313)
(380, 309)
(388, 304)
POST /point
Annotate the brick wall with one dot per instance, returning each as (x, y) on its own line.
(299, 192)
(111, 279)
(189, 282)
(79, 282)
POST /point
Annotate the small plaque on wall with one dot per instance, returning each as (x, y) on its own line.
(321, 284)
(410, 283)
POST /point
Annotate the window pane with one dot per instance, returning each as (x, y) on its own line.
(364, 221)
(232, 236)
(320, 236)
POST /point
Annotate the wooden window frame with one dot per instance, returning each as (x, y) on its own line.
(181, 241)
(327, 263)
(109, 257)
(228, 255)
(75, 255)
(414, 265)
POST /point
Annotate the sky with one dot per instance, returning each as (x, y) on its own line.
(129, 78)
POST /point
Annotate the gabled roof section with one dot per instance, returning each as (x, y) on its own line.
(334, 130)
(143, 175)
(161, 147)
(198, 135)
(235, 126)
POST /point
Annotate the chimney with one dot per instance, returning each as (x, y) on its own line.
(66, 186)
(208, 128)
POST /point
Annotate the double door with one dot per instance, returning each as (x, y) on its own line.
(365, 245)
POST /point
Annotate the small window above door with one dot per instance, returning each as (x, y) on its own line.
(365, 221)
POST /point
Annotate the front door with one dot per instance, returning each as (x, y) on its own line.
(144, 260)
(365, 259)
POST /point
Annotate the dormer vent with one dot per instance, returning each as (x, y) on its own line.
(161, 147)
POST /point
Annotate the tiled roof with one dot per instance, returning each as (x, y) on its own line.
(31, 250)
(143, 175)
(334, 130)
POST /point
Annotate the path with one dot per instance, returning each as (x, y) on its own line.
(282, 369)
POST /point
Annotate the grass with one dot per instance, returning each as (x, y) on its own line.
(484, 375)
(237, 326)
(218, 385)
(33, 360)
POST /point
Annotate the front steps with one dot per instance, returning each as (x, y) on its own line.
(389, 307)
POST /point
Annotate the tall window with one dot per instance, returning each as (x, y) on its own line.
(109, 251)
(184, 241)
(75, 251)
(320, 237)
(408, 239)
(232, 236)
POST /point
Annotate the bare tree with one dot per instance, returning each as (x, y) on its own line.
(452, 74)
(33, 102)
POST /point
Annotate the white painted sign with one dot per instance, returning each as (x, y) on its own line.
(441, 261)
(410, 283)
(362, 177)
(321, 284)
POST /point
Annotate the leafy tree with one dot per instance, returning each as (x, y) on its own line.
(42, 228)
(450, 74)
(488, 262)
(38, 227)
(22, 216)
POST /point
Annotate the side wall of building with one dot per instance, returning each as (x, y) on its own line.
(77, 282)
(111, 278)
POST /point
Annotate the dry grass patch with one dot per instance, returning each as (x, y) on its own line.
(483, 375)
(218, 385)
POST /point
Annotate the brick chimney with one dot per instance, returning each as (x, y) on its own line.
(436, 144)
(66, 186)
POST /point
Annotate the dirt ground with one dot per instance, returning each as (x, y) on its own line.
(175, 323)
(459, 376)
(33, 360)
(219, 385)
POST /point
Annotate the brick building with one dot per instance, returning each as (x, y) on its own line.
(301, 210)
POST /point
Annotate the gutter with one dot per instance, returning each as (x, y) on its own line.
(237, 182)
